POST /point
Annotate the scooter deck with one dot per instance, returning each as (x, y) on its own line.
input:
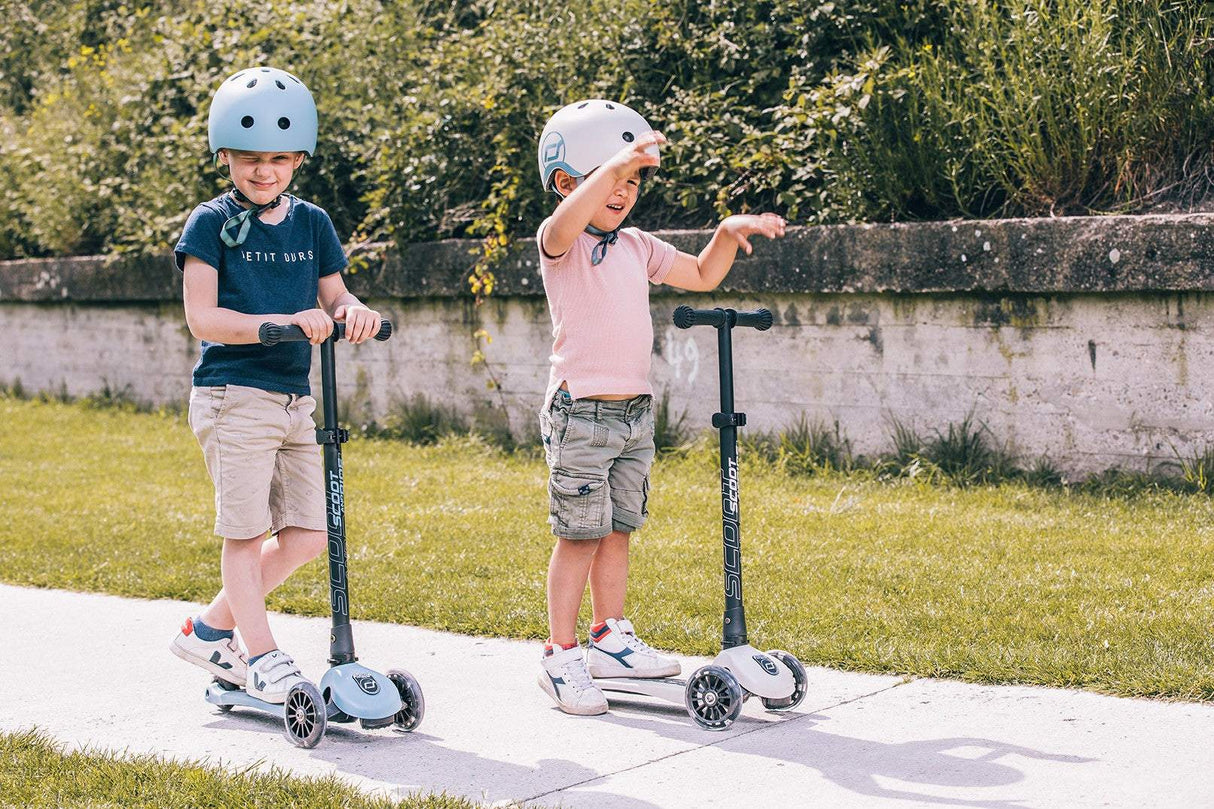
(667, 689)
(217, 694)
(231, 697)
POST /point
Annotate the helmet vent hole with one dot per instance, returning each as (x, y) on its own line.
(629, 137)
(610, 106)
(583, 106)
(265, 70)
(253, 83)
(284, 123)
(237, 76)
(247, 122)
(281, 86)
(297, 81)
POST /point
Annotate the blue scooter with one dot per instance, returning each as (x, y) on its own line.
(348, 691)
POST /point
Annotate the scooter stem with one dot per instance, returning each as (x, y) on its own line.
(331, 437)
(727, 421)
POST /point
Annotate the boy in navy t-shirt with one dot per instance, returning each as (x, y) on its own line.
(254, 255)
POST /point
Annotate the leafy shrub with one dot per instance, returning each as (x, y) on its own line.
(825, 111)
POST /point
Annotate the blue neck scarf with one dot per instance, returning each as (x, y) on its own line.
(606, 239)
(243, 220)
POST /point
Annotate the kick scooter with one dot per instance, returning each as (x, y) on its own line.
(714, 694)
(348, 691)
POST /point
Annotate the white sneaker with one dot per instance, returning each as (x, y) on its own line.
(565, 679)
(616, 651)
(223, 658)
(271, 677)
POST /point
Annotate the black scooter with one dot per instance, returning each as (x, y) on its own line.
(714, 694)
(348, 691)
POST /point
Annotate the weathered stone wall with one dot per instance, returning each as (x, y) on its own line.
(1086, 340)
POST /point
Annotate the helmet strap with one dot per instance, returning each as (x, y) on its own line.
(242, 221)
(606, 239)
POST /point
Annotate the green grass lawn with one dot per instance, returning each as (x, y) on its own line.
(35, 773)
(1003, 583)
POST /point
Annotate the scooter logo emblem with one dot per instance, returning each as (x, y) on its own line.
(767, 664)
(367, 683)
(731, 530)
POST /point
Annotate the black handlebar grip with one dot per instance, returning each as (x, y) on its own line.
(685, 317)
(270, 334)
(385, 330)
(759, 319)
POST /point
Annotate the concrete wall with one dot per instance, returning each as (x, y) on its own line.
(1086, 340)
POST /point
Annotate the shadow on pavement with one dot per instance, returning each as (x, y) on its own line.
(856, 764)
(405, 763)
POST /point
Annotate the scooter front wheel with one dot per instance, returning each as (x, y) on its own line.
(713, 697)
(412, 703)
(800, 683)
(304, 716)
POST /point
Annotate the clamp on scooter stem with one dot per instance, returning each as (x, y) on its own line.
(270, 334)
(685, 317)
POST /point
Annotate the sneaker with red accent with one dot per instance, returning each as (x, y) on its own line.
(616, 651)
(223, 657)
(564, 678)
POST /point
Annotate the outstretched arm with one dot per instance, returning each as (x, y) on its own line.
(705, 272)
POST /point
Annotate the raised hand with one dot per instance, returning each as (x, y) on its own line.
(741, 227)
(635, 157)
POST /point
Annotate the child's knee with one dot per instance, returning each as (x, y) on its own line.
(305, 544)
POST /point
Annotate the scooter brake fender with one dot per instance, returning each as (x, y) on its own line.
(757, 672)
(360, 692)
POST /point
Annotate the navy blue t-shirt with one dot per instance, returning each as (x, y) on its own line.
(275, 271)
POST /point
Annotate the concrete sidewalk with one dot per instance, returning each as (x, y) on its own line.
(95, 670)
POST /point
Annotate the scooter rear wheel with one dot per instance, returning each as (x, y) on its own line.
(713, 697)
(226, 686)
(304, 716)
(413, 704)
(800, 683)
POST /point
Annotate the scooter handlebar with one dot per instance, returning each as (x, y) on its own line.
(272, 334)
(685, 317)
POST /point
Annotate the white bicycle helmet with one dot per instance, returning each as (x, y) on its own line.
(584, 135)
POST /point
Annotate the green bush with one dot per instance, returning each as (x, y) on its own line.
(1029, 107)
(826, 111)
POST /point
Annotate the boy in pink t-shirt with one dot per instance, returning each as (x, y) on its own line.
(597, 419)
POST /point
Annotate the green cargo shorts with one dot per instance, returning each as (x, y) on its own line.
(598, 454)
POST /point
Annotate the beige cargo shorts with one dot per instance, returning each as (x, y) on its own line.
(599, 455)
(261, 452)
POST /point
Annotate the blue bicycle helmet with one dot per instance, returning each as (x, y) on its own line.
(262, 109)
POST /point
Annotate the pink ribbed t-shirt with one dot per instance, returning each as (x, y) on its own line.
(602, 333)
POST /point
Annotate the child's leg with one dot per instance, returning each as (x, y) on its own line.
(609, 576)
(280, 556)
(568, 570)
(296, 499)
(244, 593)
